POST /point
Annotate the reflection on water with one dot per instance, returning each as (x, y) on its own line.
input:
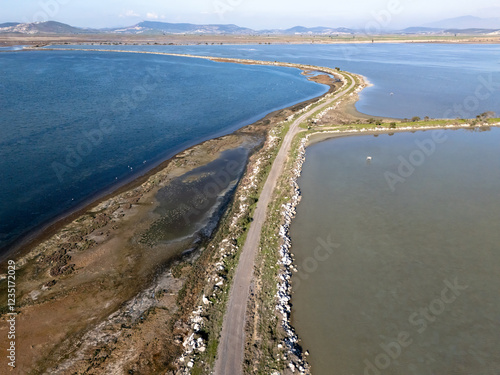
(411, 285)
(75, 124)
(436, 80)
(195, 200)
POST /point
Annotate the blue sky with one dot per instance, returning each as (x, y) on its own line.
(258, 14)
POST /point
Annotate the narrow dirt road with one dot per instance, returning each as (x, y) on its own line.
(232, 341)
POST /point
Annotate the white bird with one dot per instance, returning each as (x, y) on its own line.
(368, 158)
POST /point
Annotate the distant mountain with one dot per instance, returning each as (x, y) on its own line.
(466, 22)
(472, 31)
(49, 27)
(421, 30)
(150, 27)
(317, 30)
(8, 24)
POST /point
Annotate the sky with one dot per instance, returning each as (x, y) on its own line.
(256, 14)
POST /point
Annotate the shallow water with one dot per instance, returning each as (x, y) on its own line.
(399, 258)
(74, 124)
(194, 201)
(411, 79)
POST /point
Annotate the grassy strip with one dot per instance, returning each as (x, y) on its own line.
(307, 124)
(264, 356)
(373, 124)
(196, 280)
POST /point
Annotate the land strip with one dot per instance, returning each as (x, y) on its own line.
(82, 286)
(34, 40)
(144, 344)
(232, 341)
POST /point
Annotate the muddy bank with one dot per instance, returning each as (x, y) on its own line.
(98, 276)
(92, 265)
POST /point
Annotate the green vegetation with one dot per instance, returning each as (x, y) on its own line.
(379, 125)
(262, 354)
(196, 279)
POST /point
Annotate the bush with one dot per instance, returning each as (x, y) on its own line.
(392, 125)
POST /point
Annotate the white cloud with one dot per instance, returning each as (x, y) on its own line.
(154, 16)
(130, 13)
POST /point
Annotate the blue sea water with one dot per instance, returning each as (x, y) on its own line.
(74, 124)
(436, 80)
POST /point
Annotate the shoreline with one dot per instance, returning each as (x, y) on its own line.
(188, 39)
(288, 266)
(288, 206)
(95, 222)
(248, 180)
(324, 135)
(49, 228)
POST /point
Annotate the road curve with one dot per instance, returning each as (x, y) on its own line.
(231, 348)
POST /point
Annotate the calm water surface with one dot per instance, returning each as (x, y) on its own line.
(436, 80)
(75, 123)
(400, 277)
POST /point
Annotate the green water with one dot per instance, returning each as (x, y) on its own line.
(399, 258)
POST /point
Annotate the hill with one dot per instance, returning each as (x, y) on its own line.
(49, 27)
